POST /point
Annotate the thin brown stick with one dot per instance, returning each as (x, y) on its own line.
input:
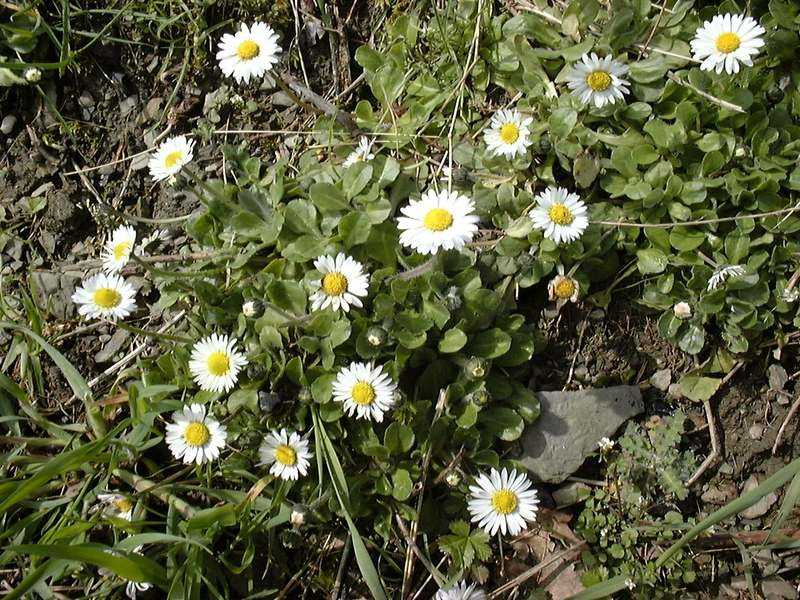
(419, 554)
(761, 215)
(789, 415)
(523, 577)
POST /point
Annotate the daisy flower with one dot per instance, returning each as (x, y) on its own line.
(362, 153)
(508, 133)
(561, 215)
(118, 248)
(722, 273)
(563, 288)
(134, 587)
(117, 505)
(288, 454)
(215, 363)
(439, 220)
(725, 41)
(598, 80)
(503, 501)
(195, 437)
(250, 52)
(365, 390)
(605, 444)
(170, 157)
(343, 282)
(105, 296)
(460, 591)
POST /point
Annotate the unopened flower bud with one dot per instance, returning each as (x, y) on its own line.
(452, 478)
(476, 368)
(682, 310)
(32, 75)
(376, 336)
(252, 309)
(304, 395)
(298, 516)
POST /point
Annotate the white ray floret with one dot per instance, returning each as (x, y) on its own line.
(461, 591)
(438, 221)
(194, 436)
(117, 505)
(104, 296)
(598, 81)
(722, 274)
(726, 41)
(118, 248)
(286, 453)
(342, 285)
(563, 288)
(215, 363)
(362, 153)
(364, 390)
(560, 214)
(503, 501)
(508, 133)
(170, 157)
(250, 52)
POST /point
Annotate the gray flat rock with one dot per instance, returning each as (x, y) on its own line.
(571, 424)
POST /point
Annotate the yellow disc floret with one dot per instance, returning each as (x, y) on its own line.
(286, 455)
(196, 434)
(107, 297)
(363, 393)
(248, 50)
(219, 363)
(438, 219)
(121, 250)
(172, 159)
(334, 284)
(598, 80)
(560, 214)
(504, 501)
(509, 133)
(728, 42)
(123, 505)
(564, 288)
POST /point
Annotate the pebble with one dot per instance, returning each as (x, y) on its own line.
(778, 588)
(7, 126)
(662, 379)
(674, 391)
(756, 431)
(760, 508)
(777, 377)
(86, 100)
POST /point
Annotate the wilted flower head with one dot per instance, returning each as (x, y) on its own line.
(682, 310)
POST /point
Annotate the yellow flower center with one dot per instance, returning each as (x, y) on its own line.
(107, 297)
(509, 133)
(564, 288)
(438, 219)
(504, 501)
(218, 364)
(334, 284)
(196, 434)
(363, 393)
(123, 505)
(247, 50)
(728, 42)
(173, 158)
(285, 455)
(121, 250)
(598, 80)
(560, 214)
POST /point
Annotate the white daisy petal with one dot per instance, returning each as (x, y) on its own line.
(118, 248)
(727, 42)
(438, 220)
(598, 81)
(170, 158)
(502, 501)
(560, 215)
(250, 52)
(461, 591)
(190, 437)
(215, 363)
(286, 454)
(364, 390)
(362, 153)
(105, 296)
(343, 281)
(508, 134)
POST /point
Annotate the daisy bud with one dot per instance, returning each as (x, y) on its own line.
(304, 395)
(682, 310)
(298, 516)
(453, 478)
(740, 151)
(252, 309)
(480, 397)
(476, 368)
(376, 336)
(32, 75)
(790, 295)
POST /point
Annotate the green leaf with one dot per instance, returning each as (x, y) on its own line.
(490, 344)
(562, 121)
(693, 340)
(453, 341)
(402, 486)
(398, 438)
(651, 260)
(354, 229)
(699, 388)
(502, 422)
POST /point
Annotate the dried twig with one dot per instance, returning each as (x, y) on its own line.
(789, 415)
(718, 101)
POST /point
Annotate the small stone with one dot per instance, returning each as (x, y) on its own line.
(777, 377)
(674, 391)
(86, 100)
(127, 105)
(773, 589)
(570, 494)
(756, 431)
(570, 426)
(598, 314)
(760, 508)
(661, 379)
(719, 494)
(281, 99)
(153, 108)
(112, 346)
(7, 126)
